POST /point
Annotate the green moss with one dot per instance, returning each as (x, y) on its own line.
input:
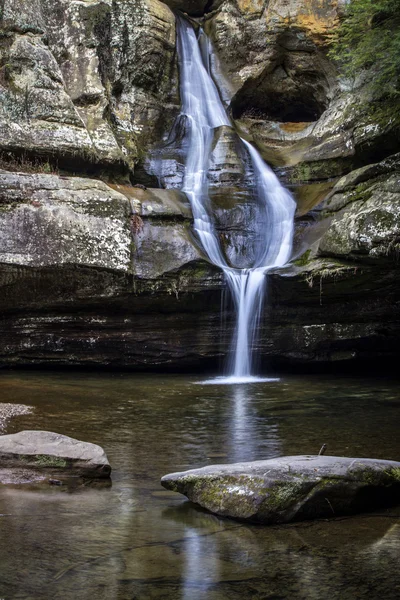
(8, 207)
(281, 496)
(361, 193)
(373, 477)
(234, 494)
(242, 496)
(385, 113)
(394, 474)
(322, 272)
(88, 154)
(95, 16)
(303, 259)
(329, 482)
(382, 218)
(44, 460)
(302, 172)
(320, 169)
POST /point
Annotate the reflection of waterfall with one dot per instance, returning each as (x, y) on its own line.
(249, 436)
(204, 112)
(200, 572)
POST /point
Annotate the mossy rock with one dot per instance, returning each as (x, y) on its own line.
(291, 488)
(51, 454)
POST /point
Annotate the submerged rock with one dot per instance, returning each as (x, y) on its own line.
(291, 488)
(48, 453)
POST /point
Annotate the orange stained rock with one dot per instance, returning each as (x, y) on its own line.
(316, 17)
(251, 6)
(293, 127)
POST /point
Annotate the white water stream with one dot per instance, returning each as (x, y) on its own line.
(204, 112)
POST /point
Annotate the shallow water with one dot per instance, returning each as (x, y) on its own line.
(137, 541)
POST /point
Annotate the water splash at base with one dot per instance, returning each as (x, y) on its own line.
(232, 380)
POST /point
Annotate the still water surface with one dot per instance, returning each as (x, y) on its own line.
(136, 541)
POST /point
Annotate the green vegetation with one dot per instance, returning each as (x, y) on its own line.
(22, 163)
(282, 495)
(303, 260)
(369, 38)
(43, 460)
(394, 473)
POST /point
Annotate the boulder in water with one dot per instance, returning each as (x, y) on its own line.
(291, 488)
(50, 454)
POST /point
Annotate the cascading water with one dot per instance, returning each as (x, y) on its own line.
(204, 112)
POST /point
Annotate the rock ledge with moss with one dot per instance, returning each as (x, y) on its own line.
(34, 455)
(290, 488)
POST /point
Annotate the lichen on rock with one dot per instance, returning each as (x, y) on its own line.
(50, 453)
(291, 488)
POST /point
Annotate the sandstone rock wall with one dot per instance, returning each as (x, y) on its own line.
(96, 271)
(86, 83)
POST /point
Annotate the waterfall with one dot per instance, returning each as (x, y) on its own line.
(204, 111)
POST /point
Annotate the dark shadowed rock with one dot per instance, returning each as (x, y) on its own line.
(30, 452)
(194, 8)
(291, 488)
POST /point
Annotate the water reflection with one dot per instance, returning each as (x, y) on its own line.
(307, 561)
(384, 550)
(137, 541)
(251, 437)
(199, 571)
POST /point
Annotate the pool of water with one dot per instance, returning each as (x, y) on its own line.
(136, 541)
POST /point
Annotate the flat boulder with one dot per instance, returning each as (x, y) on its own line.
(290, 488)
(44, 454)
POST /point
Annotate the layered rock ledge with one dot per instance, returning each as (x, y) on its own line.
(291, 488)
(97, 274)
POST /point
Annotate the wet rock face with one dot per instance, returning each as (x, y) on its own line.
(139, 71)
(93, 274)
(292, 87)
(162, 240)
(366, 209)
(81, 85)
(234, 204)
(284, 92)
(350, 268)
(291, 488)
(47, 220)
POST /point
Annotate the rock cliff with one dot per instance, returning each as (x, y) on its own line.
(94, 269)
